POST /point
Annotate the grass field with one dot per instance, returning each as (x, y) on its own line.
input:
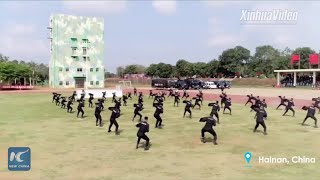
(64, 147)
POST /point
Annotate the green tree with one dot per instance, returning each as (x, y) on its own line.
(266, 59)
(152, 70)
(212, 68)
(233, 59)
(183, 68)
(164, 70)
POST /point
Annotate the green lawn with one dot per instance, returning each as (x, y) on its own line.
(64, 147)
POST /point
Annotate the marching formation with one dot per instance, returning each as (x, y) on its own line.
(257, 105)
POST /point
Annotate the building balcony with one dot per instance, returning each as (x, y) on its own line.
(79, 74)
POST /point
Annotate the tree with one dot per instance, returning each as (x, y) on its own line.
(212, 68)
(183, 68)
(120, 71)
(266, 59)
(152, 70)
(304, 53)
(233, 60)
(199, 69)
(164, 70)
(134, 69)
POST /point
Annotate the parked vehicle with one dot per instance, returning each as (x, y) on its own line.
(210, 85)
(182, 84)
(225, 84)
(159, 83)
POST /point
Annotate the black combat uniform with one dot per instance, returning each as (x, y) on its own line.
(141, 134)
(208, 127)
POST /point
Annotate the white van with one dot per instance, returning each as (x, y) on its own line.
(210, 85)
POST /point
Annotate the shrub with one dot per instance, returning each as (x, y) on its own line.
(271, 76)
(262, 76)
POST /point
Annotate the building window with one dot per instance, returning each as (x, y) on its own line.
(84, 51)
(91, 69)
(79, 69)
(91, 82)
(74, 50)
(60, 83)
(97, 82)
(84, 58)
(67, 83)
(85, 41)
(67, 69)
(60, 69)
(75, 58)
(97, 69)
(88, 58)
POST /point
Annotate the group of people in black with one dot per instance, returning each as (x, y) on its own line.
(257, 105)
(260, 108)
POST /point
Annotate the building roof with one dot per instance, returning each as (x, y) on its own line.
(297, 70)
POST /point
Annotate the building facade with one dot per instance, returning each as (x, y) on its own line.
(77, 52)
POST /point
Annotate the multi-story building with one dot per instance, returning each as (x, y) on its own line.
(77, 52)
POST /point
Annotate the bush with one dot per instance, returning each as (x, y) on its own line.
(271, 76)
(262, 76)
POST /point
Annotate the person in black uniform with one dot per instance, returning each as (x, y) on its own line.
(187, 108)
(256, 104)
(150, 94)
(250, 98)
(80, 106)
(124, 99)
(140, 98)
(289, 107)
(113, 120)
(135, 91)
(141, 134)
(215, 109)
(113, 96)
(97, 114)
(104, 95)
(310, 114)
(260, 115)
(117, 103)
(83, 95)
(170, 92)
(264, 104)
(208, 127)
(129, 95)
(101, 101)
(282, 102)
(176, 99)
(54, 95)
(58, 96)
(90, 100)
(317, 103)
(227, 105)
(69, 107)
(223, 97)
(184, 93)
(63, 102)
(138, 108)
(73, 96)
(159, 110)
(200, 95)
(197, 102)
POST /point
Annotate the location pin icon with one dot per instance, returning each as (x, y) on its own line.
(248, 156)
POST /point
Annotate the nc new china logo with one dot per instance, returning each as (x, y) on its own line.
(19, 158)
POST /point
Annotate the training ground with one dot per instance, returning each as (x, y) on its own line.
(64, 147)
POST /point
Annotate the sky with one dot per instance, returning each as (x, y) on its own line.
(146, 32)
